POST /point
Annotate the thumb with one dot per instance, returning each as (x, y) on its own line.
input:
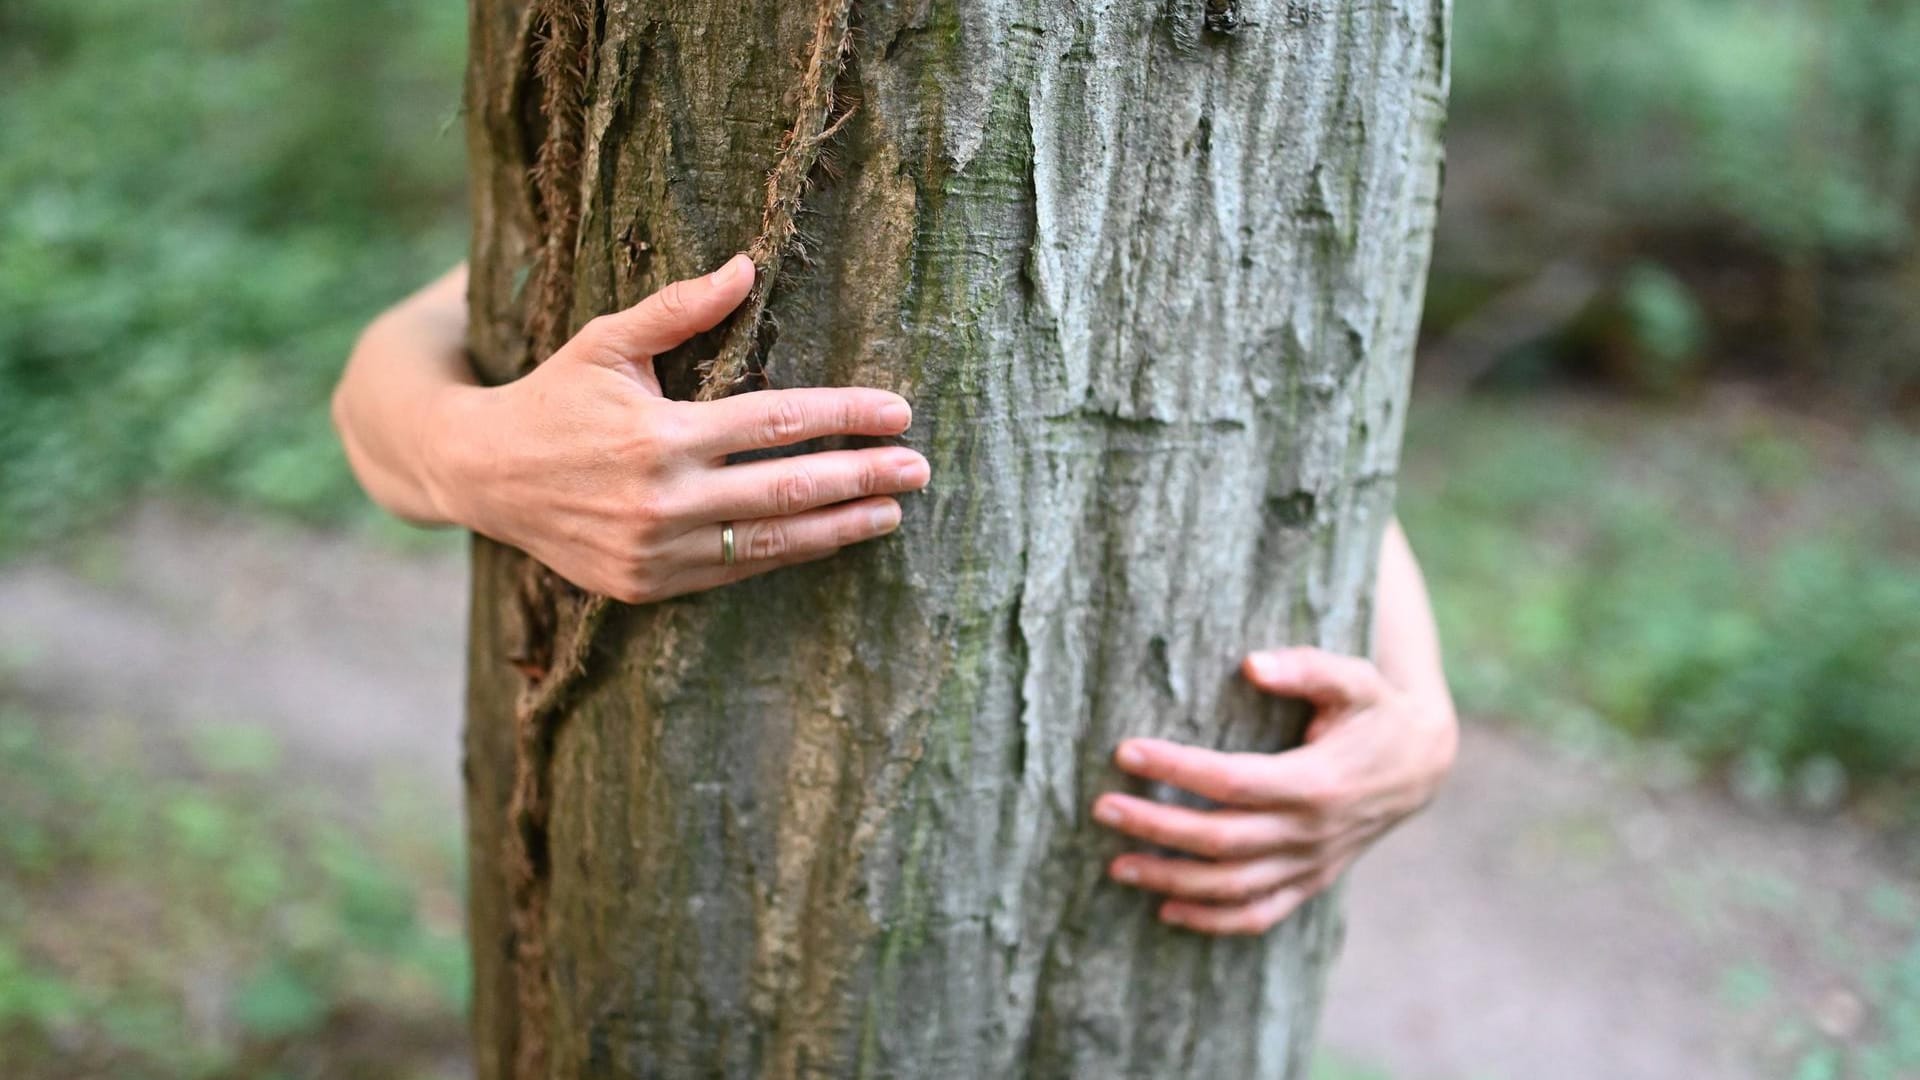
(668, 317)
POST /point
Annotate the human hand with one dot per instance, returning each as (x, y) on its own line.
(1289, 823)
(585, 465)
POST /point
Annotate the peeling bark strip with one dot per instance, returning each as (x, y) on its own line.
(787, 182)
(1152, 287)
(528, 858)
(562, 50)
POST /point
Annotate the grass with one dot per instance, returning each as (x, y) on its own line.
(1863, 1026)
(192, 906)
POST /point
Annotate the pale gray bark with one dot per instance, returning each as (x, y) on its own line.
(1152, 284)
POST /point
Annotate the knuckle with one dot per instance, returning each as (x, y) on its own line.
(1237, 924)
(647, 515)
(674, 302)
(796, 491)
(1241, 786)
(1213, 840)
(1242, 884)
(851, 529)
(659, 432)
(770, 540)
(784, 421)
(1150, 828)
(1314, 831)
(634, 585)
(646, 542)
(1238, 840)
(1319, 789)
(1357, 676)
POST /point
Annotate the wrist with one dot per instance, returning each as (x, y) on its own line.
(450, 453)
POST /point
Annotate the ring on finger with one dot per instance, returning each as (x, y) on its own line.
(726, 543)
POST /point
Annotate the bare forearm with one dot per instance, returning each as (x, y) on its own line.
(1405, 640)
(404, 367)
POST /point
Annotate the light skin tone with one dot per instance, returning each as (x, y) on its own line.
(587, 466)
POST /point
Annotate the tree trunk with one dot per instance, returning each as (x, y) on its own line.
(1150, 272)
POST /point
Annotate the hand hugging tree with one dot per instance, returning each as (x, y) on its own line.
(1150, 274)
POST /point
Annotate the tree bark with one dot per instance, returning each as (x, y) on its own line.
(1151, 273)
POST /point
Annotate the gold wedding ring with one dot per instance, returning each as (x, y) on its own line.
(726, 543)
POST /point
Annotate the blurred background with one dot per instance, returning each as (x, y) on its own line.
(1663, 470)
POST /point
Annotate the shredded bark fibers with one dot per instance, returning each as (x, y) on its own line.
(821, 115)
(562, 57)
(558, 623)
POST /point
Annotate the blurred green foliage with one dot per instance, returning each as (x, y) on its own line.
(205, 199)
(1744, 586)
(1742, 175)
(1798, 119)
(172, 907)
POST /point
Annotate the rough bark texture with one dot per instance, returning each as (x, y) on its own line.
(1150, 272)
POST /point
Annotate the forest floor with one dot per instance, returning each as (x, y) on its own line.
(1553, 915)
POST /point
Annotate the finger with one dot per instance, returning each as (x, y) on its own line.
(668, 317)
(766, 419)
(1256, 780)
(702, 578)
(815, 531)
(789, 486)
(1238, 881)
(1215, 834)
(1326, 679)
(1253, 917)
(1258, 915)
(766, 544)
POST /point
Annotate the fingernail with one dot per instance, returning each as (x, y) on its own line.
(1127, 874)
(1129, 756)
(884, 517)
(1172, 915)
(896, 414)
(915, 474)
(1108, 813)
(1266, 666)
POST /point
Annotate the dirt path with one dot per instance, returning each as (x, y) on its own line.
(1549, 918)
